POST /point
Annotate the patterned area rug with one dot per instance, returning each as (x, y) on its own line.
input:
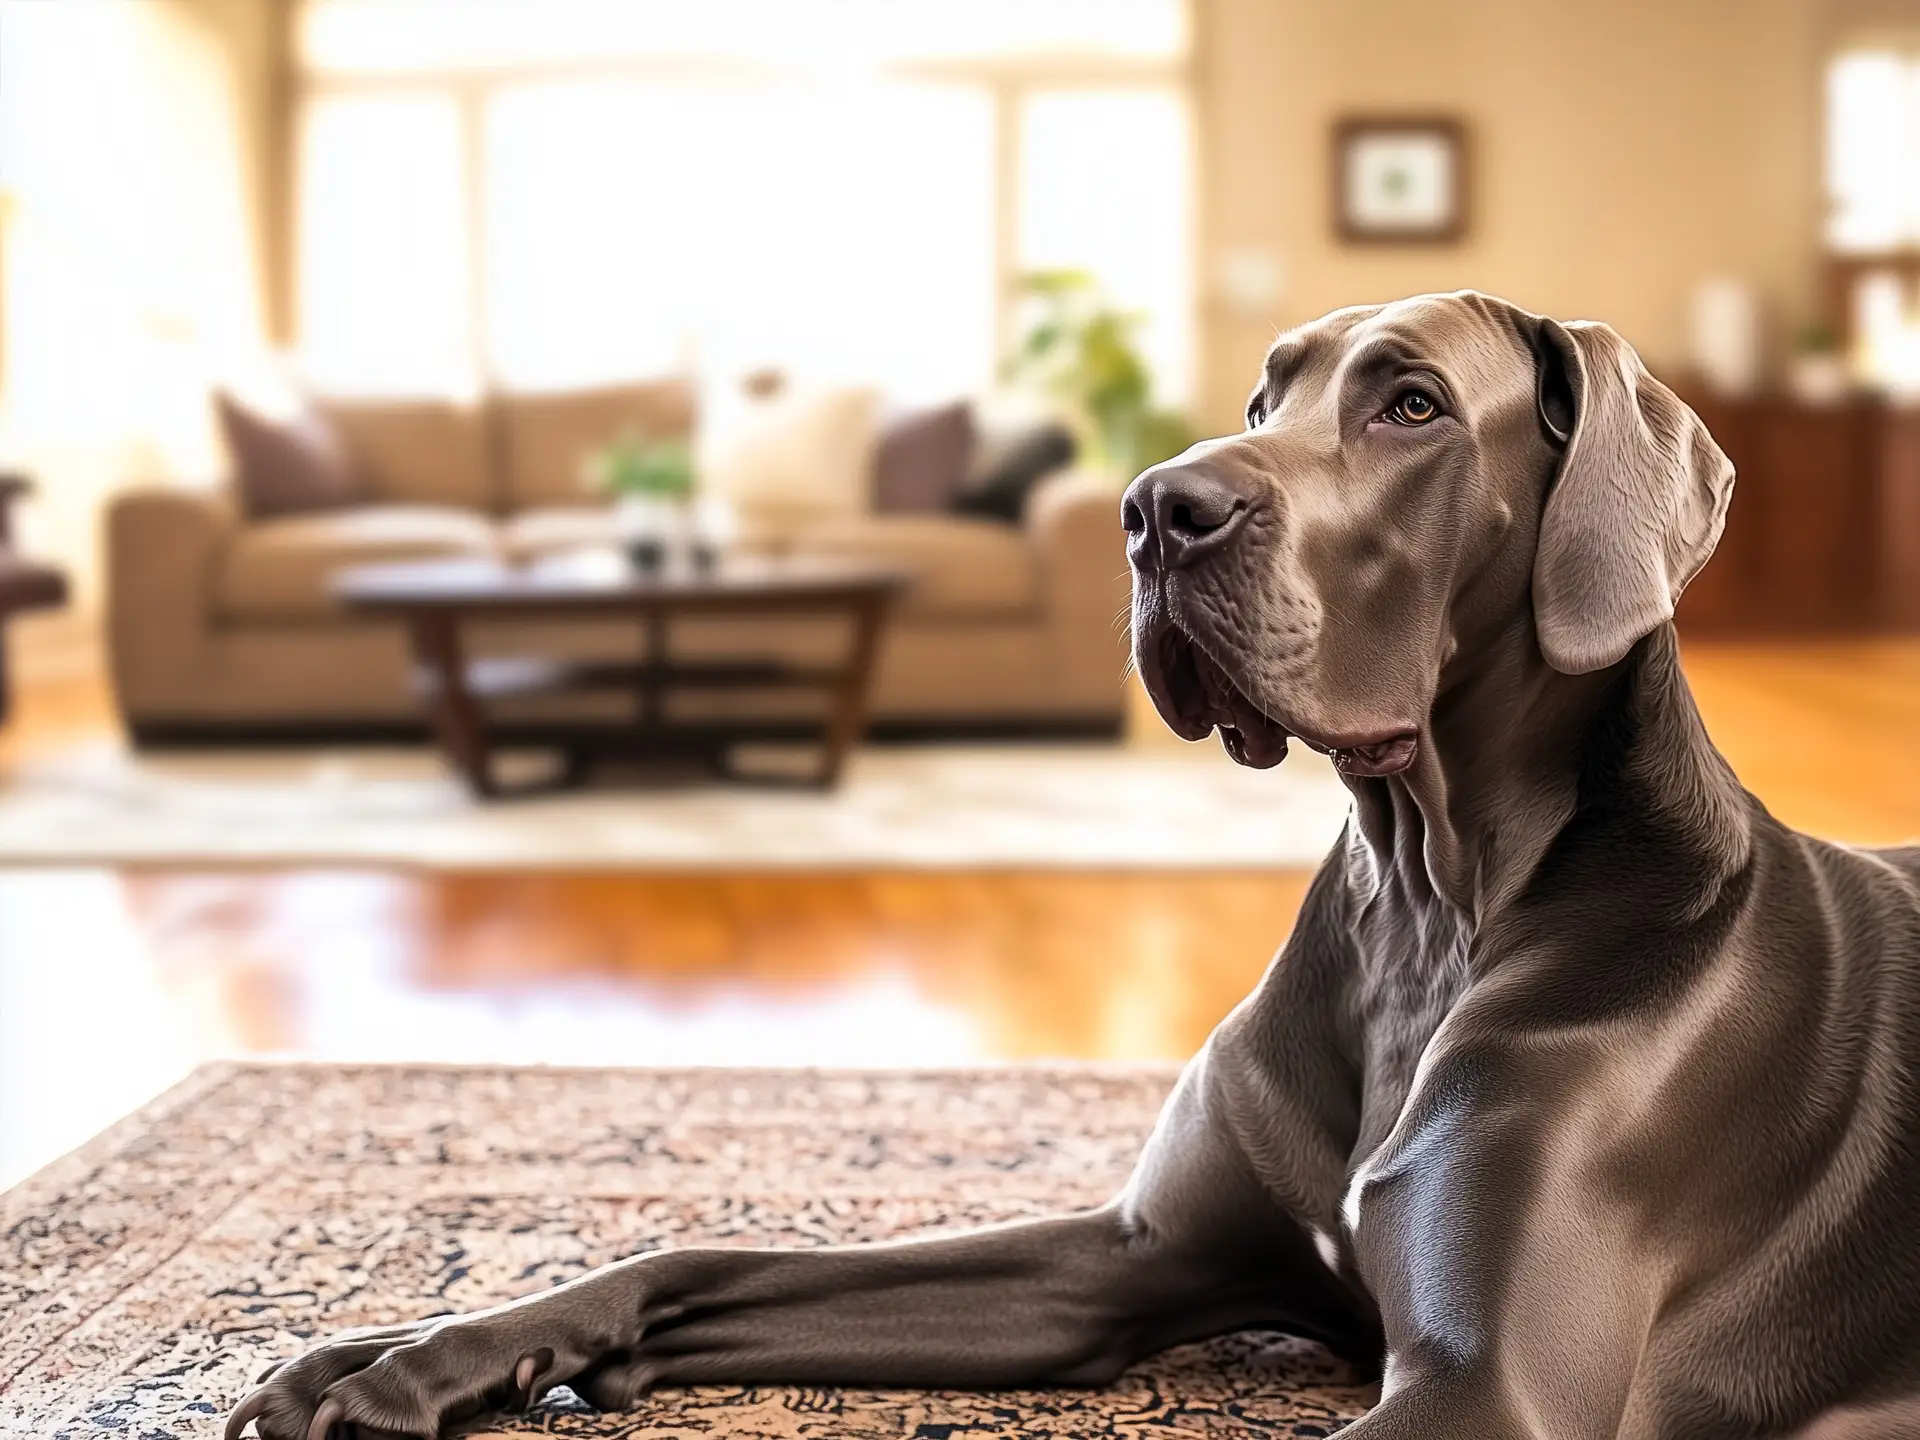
(148, 1276)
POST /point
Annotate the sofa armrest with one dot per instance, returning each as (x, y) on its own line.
(1073, 520)
(162, 549)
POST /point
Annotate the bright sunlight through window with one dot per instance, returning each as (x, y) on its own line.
(1873, 151)
(562, 194)
(1873, 184)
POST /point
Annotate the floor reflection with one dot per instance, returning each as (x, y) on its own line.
(167, 970)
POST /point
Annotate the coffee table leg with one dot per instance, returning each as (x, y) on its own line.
(456, 715)
(848, 714)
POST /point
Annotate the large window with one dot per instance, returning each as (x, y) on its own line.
(1873, 150)
(1104, 188)
(546, 193)
(1873, 222)
(845, 227)
(384, 288)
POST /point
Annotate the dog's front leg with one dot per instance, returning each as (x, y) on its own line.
(1062, 1301)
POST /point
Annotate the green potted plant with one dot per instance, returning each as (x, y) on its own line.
(651, 483)
(1081, 353)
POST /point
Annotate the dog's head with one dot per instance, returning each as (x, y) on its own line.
(1417, 482)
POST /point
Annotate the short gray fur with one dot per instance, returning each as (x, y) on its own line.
(1582, 1100)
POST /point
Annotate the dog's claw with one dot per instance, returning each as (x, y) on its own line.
(330, 1414)
(245, 1413)
(527, 1374)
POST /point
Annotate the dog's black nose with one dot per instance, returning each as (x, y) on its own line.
(1177, 514)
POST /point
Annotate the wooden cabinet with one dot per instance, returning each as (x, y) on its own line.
(1823, 535)
(1897, 520)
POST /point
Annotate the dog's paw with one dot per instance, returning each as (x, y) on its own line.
(403, 1381)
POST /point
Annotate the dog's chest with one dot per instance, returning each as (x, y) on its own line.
(1413, 971)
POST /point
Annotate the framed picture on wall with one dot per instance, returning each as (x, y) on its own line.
(1399, 180)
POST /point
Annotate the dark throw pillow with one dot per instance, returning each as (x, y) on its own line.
(1007, 467)
(921, 460)
(293, 466)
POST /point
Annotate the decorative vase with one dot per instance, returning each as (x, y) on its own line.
(653, 530)
(1819, 378)
(1725, 326)
(712, 529)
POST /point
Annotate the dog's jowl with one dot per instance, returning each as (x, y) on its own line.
(1583, 1101)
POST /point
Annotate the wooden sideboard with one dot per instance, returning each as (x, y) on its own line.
(1824, 532)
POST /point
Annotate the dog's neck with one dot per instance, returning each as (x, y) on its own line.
(1513, 749)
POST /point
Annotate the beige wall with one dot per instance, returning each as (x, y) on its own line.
(1622, 151)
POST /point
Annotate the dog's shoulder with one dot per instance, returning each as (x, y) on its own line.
(1903, 860)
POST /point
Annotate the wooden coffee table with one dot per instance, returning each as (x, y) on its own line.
(438, 599)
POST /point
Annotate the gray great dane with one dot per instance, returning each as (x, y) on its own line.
(1582, 1100)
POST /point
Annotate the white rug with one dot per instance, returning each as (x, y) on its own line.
(934, 807)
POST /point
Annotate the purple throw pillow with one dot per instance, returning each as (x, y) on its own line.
(293, 466)
(921, 460)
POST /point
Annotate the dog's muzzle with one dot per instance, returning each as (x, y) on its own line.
(1195, 696)
(1177, 515)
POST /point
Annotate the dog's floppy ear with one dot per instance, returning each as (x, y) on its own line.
(1638, 504)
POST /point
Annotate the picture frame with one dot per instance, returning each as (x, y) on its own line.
(1400, 179)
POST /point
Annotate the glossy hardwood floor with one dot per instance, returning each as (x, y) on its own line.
(112, 984)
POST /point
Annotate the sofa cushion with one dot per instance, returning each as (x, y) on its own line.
(418, 452)
(1008, 464)
(289, 463)
(962, 569)
(545, 439)
(792, 458)
(921, 459)
(284, 569)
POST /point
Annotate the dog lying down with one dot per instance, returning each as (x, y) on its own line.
(1583, 1099)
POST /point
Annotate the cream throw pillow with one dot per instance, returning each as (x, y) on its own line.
(801, 455)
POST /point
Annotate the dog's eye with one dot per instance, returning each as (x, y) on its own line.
(1412, 407)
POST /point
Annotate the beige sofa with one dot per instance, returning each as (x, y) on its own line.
(222, 628)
